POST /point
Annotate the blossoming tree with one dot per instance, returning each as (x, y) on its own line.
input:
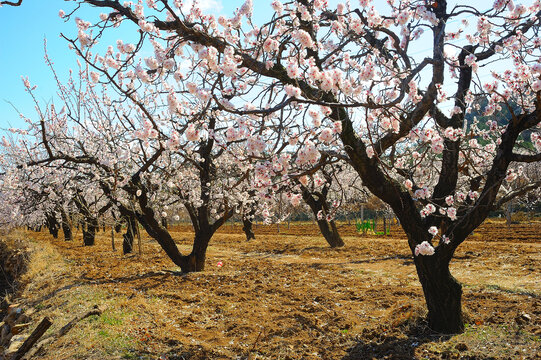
(148, 155)
(355, 68)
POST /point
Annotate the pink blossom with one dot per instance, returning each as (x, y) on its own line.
(511, 175)
(473, 195)
(408, 184)
(255, 145)
(370, 152)
(277, 6)
(451, 212)
(292, 91)
(424, 248)
(433, 230)
(449, 200)
(270, 45)
(94, 76)
(364, 3)
(296, 199)
(293, 140)
(308, 153)
(337, 127)
(192, 134)
(326, 136)
(293, 70)
(303, 38)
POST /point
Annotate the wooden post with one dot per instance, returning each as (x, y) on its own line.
(32, 339)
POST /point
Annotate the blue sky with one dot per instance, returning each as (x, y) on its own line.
(24, 28)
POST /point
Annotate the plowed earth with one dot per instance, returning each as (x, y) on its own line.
(289, 296)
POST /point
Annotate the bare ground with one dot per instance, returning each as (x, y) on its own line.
(285, 296)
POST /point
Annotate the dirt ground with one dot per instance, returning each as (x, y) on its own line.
(285, 296)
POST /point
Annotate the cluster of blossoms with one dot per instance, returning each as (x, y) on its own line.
(255, 145)
(308, 154)
(192, 133)
(148, 132)
(424, 248)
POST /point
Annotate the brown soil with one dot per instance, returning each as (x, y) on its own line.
(289, 296)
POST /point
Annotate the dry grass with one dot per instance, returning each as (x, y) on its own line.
(279, 297)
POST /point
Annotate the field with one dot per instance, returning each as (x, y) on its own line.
(285, 296)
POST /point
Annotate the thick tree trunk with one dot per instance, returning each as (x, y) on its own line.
(131, 230)
(53, 226)
(330, 233)
(196, 260)
(328, 228)
(89, 232)
(443, 295)
(66, 226)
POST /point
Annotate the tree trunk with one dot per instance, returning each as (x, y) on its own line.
(131, 230)
(113, 238)
(508, 214)
(52, 225)
(89, 234)
(66, 226)
(330, 233)
(443, 295)
(196, 260)
(247, 227)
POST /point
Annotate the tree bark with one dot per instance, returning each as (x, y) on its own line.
(89, 232)
(52, 225)
(131, 230)
(196, 260)
(330, 233)
(443, 295)
(508, 214)
(66, 226)
(247, 227)
(328, 228)
(33, 338)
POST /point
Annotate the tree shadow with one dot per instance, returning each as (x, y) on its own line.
(407, 259)
(83, 280)
(380, 344)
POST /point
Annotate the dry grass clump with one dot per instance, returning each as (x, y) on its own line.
(14, 256)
